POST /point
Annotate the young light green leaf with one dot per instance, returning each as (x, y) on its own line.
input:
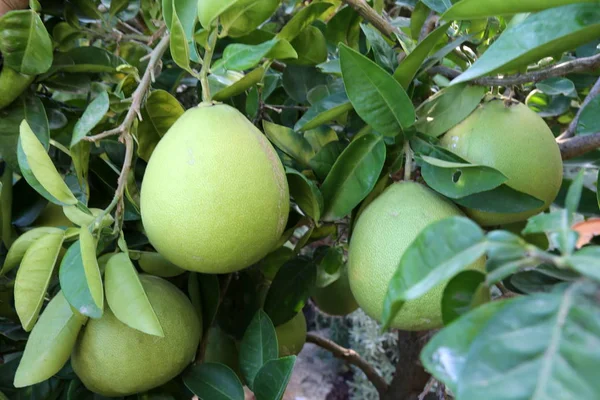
(180, 50)
(155, 264)
(376, 96)
(258, 346)
(556, 30)
(80, 277)
(290, 142)
(241, 85)
(19, 247)
(50, 343)
(323, 111)
(302, 20)
(459, 243)
(25, 43)
(79, 217)
(38, 169)
(447, 108)
(456, 180)
(305, 193)
(126, 296)
(272, 379)
(472, 9)
(208, 11)
(213, 381)
(464, 292)
(240, 57)
(408, 68)
(34, 276)
(92, 115)
(574, 195)
(353, 176)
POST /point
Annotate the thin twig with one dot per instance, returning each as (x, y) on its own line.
(428, 26)
(368, 13)
(570, 132)
(564, 68)
(408, 154)
(204, 341)
(427, 389)
(351, 357)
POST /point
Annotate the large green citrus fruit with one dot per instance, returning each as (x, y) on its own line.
(382, 233)
(336, 298)
(214, 198)
(517, 142)
(113, 359)
(291, 336)
(246, 15)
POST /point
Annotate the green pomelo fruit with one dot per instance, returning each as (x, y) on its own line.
(515, 141)
(246, 15)
(336, 298)
(291, 336)
(382, 233)
(113, 359)
(214, 198)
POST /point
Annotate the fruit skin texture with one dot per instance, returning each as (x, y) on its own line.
(382, 233)
(113, 359)
(336, 298)
(247, 15)
(518, 143)
(291, 336)
(214, 198)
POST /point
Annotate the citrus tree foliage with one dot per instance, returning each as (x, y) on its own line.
(351, 104)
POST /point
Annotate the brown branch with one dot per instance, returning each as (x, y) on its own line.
(351, 357)
(410, 377)
(428, 26)
(368, 13)
(578, 145)
(594, 92)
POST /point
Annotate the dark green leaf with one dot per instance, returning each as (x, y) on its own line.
(239, 57)
(586, 261)
(310, 47)
(323, 161)
(86, 60)
(344, 27)
(588, 122)
(302, 20)
(210, 293)
(212, 381)
(459, 242)
(464, 292)
(556, 86)
(305, 193)
(502, 199)
(299, 80)
(329, 268)
(384, 54)
(259, 345)
(290, 289)
(92, 115)
(574, 193)
(353, 176)
(376, 96)
(323, 111)
(290, 142)
(241, 85)
(272, 379)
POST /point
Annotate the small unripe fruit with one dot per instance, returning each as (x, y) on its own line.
(515, 141)
(214, 198)
(291, 336)
(336, 298)
(382, 234)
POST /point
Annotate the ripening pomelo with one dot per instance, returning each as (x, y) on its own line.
(516, 141)
(113, 359)
(214, 198)
(291, 336)
(336, 298)
(381, 235)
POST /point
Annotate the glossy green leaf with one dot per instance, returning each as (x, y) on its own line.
(208, 11)
(155, 264)
(76, 215)
(455, 180)
(557, 85)
(39, 171)
(116, 6)
(310, 47)
(586, 261)
(19, 247)
(556, 30)
(290, 289)
(33, 277)
(212, 381)
(464, 292)
(302, 20)
(445, 356)
(588, 122)
(92, 115)
(290, 142)
(80, 154)
(80, 277)
(353, 176)
(376, 96)
(272, 379)
(408, 68)
(187, 12)
(241, 85)
(459, 242)
(447, 108)
(323, 161)
(305, 193)
(502, 199)
(126, 296)
(323, 111)
(258, 346)
(178, 43)
(471, 9)
(384, 54)
(298, 80)
(240, 57)
(160, 112)
(50, 343)
(87, 60)
(25, 43)
(320, 137)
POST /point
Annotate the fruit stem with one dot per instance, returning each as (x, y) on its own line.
(208, 54)
(408, 161)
